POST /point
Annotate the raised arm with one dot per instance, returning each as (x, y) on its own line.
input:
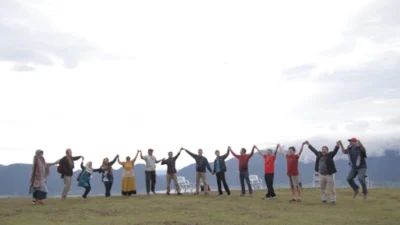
(82, 167)
(230, 149)
(77, 157)
(177, 155)
(119, 162)
(301, 149)
(277, 148)
(342, 147)
(336, 149)
(252, 151)
(258, 150)
(282, 151)
(226, 154)
(114, 160)
(141, 155)
(311, 148)
(134, 159)
(191, 154)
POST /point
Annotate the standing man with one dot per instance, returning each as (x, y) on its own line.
(244, 169)
(66, 168)
(325, 166)
(171, 172)
(220, 169)
(357, 156)
(293, 171)
(201, 165)
(150, 170)
(269, 170)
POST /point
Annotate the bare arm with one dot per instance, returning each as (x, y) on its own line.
(52, 164)
(120, 163)
(141, 155)
(252, 151)
(258, 150)
(282, 151)
(134, 159)
(157, 161)
(342, 147)
(236, 156)
(277, 148)
(301, 149)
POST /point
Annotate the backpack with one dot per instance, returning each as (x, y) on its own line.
(60, 168)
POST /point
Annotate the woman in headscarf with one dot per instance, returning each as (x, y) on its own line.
(40, 172)
(84, 178)
(128, 185)
(107, 174)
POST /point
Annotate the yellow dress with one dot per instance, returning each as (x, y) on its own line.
(128, 179)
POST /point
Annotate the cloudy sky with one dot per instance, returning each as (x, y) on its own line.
(105, 77)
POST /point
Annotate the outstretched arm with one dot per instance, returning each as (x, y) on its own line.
(141, 155)
(311, 148)
(342, 147)
(191, 154)
(157, 161)
(236, 156)
(77, 157)
(134, 159)
(115, 159)
(277, 148)
(226, 154)
(52, 164)
(336, 149)
(252, 151)
(258, 150)
(177, 155)
(301, 149)
(282, 151)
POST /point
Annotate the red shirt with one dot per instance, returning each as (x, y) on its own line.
(269, 164)
(292, 165)
(243, 161)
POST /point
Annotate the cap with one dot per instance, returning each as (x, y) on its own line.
(353, 139)
(150, 150)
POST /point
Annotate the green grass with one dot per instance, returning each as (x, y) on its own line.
(381, 208)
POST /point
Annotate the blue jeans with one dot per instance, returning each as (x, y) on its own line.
(245, 176)
(362, 174)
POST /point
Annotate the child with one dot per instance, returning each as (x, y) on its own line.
(84, 178)
(293, 171)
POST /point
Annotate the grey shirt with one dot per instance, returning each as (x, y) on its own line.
(150, 162)
(323, 169)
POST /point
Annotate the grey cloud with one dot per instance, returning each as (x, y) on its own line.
(393, 121)
(22, 68)
(298, 72)
(25, 42)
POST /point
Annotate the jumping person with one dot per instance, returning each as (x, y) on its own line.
(66, 169)
(201, 165)
(325, 166)
(244, 169)
(357, 160)
(269, 170)
(84, 178)
(219, 170)
(128, 183)
(171, 172)
(40, 172)
(150, 171)
(107, 176)
(293, 171)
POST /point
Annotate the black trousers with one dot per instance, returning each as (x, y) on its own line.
(221, 179)
(269, 180)
(87, 190)
(108, 186)
(150, 181)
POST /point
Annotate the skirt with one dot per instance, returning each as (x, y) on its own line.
(128, 186)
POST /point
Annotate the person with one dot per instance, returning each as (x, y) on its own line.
(84, 178)
(107, 176)
(244, 169)
(40, 172)
(293, 171)
(171, 172)
(201, 165)
(357, 160)
(150, 171)
(219, 170)
(325, 167)
(67, 166)
(128, 184)
(269, 170)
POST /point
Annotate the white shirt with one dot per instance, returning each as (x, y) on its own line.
(150, 162)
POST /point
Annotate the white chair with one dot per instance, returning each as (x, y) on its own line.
(256, 182)
(184, 184)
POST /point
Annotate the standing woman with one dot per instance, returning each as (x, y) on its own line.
(128, 185)
(107, 174)
(40, 172)
(84, 178)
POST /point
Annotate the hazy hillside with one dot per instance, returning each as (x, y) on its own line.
(383, 171)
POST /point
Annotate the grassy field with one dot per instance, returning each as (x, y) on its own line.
(382, 207)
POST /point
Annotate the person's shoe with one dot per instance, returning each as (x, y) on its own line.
(298, 200)
(205, 193)
(273, 197)
(34, 202)
(148, 193)
(168, 193)
(333, 203)
(365, 197)
(229, 194)
(242, 195)
(293, 200)
(266, 198)
(64, 198)
(179, 194)
(40, 202)
(355, 194)
(324, 201)
(196, 193)
(153, 192)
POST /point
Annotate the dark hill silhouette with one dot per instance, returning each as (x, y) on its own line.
(383, 171)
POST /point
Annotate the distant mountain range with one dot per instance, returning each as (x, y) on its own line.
(383, 171)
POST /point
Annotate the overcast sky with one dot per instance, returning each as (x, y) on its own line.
(111, 77)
